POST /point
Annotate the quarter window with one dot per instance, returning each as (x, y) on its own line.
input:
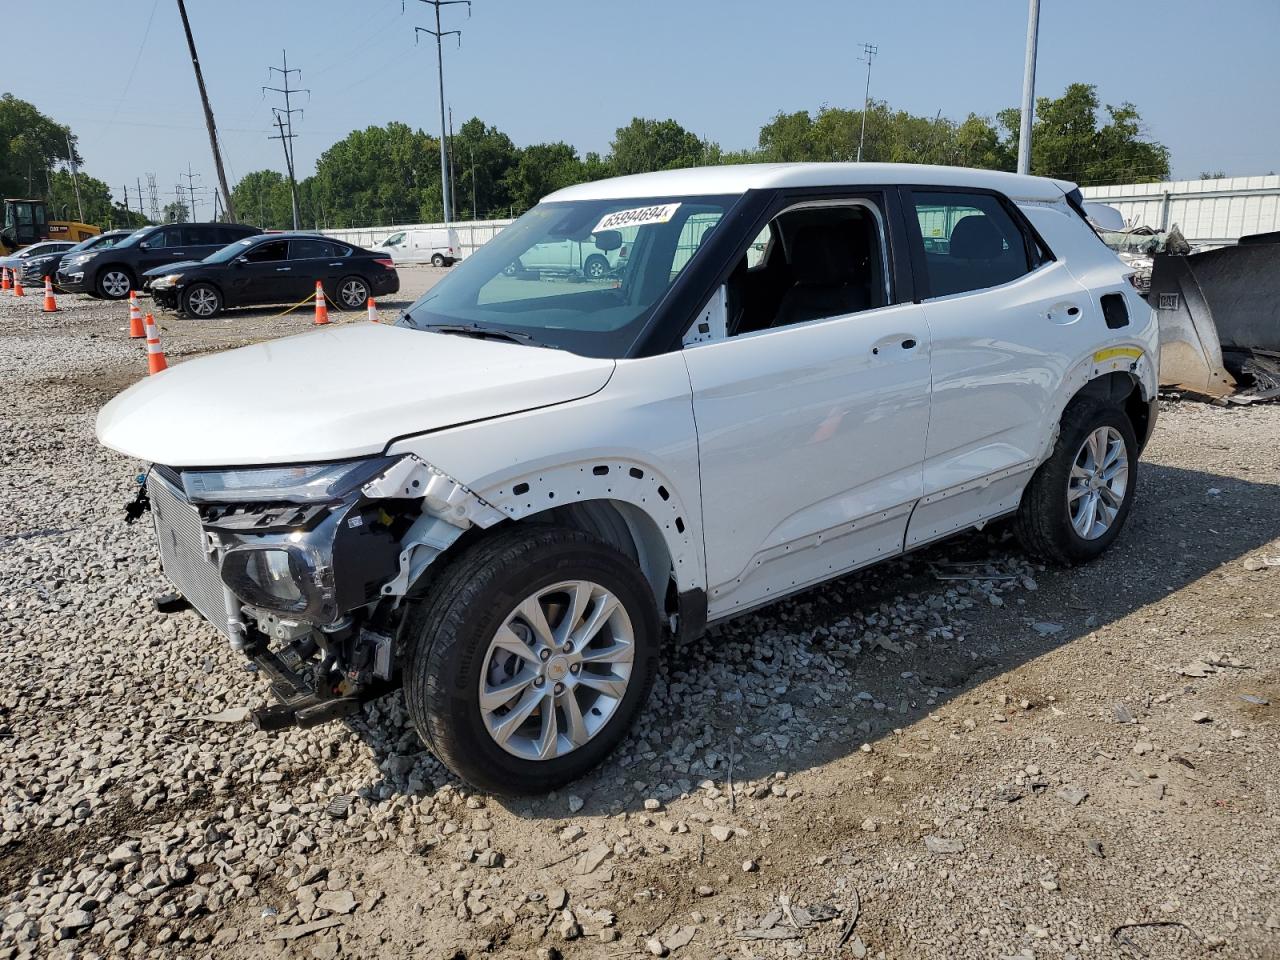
(970, 242)
(310, 249)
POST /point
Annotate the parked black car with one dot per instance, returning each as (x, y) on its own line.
(45, 264)
(113, 272)
(273, 268)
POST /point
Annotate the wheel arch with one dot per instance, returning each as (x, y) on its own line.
(1122, 375)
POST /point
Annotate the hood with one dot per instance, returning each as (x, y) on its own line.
(344, 391)
(171, 268)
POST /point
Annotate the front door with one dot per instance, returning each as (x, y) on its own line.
(812, 410)
(263, 274)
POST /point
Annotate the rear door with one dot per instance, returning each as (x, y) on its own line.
(1004, 318)
(313, 259)
(202, 240)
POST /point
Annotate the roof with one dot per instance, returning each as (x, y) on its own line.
(739, 178)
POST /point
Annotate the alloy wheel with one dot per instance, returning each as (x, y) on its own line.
(556, 670)
(202, 302)
(1097, 483)
(353, 293)
(116, 284)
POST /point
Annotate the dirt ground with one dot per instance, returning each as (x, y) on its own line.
(956, 754)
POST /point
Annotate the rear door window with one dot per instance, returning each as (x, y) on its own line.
(311, 249)
(203, 236)
(971, 242)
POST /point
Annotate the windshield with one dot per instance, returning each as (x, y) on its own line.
(133, 239)
(229, 252)
(102, 242)
(584, 275)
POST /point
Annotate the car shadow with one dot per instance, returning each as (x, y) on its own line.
(776, 698)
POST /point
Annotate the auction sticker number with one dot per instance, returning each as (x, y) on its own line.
(637, 217)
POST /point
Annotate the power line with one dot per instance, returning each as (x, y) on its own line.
(439, 33)
(869, 50)
(287, 123)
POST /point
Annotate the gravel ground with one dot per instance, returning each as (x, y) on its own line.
(958, 754)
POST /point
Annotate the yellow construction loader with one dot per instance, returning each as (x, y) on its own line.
(27, 222)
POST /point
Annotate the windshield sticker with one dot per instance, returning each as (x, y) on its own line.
(637, 217)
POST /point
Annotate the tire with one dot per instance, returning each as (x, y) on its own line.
(451, 641)
(202, 301)
(114, 283)
(437, 260)
(1059, 491)
(596, 267)
(352, 294)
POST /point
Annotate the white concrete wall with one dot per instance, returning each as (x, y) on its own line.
(1208, 212)
(471, 233)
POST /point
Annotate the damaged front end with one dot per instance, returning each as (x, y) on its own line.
(304, 568)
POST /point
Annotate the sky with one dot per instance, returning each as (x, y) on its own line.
(1202, 74)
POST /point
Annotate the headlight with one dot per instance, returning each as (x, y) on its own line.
(289, 579)
(315, 483)
(168, 280)
(80, 258)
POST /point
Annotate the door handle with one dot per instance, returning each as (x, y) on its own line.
(902, 340)
(909, 343)
(1063, 313)
(282, 269)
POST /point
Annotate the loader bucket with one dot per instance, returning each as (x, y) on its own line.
(1190, 352)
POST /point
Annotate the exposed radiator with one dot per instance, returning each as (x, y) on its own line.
(184, 552)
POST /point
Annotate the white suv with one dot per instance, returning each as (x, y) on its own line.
(509, 499)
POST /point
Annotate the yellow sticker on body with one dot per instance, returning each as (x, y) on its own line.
(1112, 353)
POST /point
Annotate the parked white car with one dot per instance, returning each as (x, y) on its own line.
(438, 246)
(510, 499)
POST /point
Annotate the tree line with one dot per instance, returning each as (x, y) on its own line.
(391, 174)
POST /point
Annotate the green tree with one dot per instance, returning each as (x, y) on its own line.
(483, 156)
(542, 168)
(1067, 140)
(262, 198)
(645, 145)
(175, 211)
(31, 144)
(377, 175)
(95, 199)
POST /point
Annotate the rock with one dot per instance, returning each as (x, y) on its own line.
(1121, 713)
(326, 950)
(490, 859)
(721, 833)
(1200, 717)
(1072, 794)
(230, 715)
(1095, 848)
(857, 949)
(943, 845)
(869, 825)
(127, 852)
(337, 901)
(704, 891)
(73, 921)
(750, 866)
(655, 947)
(1143, 747)
(557, 898)
(1046, 629)
(591, 859)
(1197, 668)
(682, 937)
(651, 804)
(609, 935)
(575, 803)
(571, 833)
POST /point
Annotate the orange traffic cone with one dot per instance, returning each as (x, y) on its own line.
(17, 285)
(322, 311)
(4, 280)
(50, 304)
(136, 331)
(373, 311)
(155, 355)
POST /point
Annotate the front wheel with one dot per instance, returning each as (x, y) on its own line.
(596, 267)
(529, 658)
(1078, 499)
(201, 301)
(114, 284)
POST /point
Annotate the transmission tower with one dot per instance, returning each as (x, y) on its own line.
(439, 33)
(153, 195)
(192, 189)
(284, 121)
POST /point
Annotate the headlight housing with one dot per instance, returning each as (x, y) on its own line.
(80, 258)
(168, 280)
(306, 483)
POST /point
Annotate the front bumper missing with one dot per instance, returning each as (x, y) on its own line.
(301, 706)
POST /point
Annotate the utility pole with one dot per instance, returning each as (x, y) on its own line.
(475, 214)
(126, 199)
(180, 202)
(453, 184)
(289, 110)
(440, 34)
(208, 115)
(284, 139)
(75, 181)
(191, 189)
(1028, 88)
(137, 182)
(869, 50)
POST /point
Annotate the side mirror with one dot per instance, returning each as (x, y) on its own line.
(240, 260)
(608, 240)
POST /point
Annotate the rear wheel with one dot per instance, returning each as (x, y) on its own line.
(1078, 500)
(437, 260)
(353, 293)
(114, 283)
(201, 301)
(530, 657)
(596, 267)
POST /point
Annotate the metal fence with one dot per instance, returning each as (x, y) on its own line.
(1208, 212)
(472, 234)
